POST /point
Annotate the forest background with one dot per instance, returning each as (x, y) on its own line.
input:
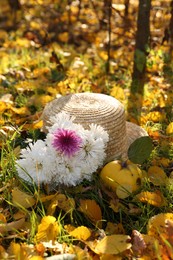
(120, 48)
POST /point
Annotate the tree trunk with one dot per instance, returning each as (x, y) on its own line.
(141, 48)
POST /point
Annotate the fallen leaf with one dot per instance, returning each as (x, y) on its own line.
(118, 93)
(156, 116)
(48, 229)
(138, 243)
(19, 214)
(36, 258)
(17, 251)
(65, 203)
(156, 224)
(91, 209)
(22, 199)
(23, 111)
(61, 201)
(157, 175)
(152, 249)
(14, 225)
(2, 218)
(112, 228)
(3, 253)
(114, 244)
(153, 198)
(169, 129)
(81, 233)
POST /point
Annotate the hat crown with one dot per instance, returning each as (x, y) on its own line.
(94, 108)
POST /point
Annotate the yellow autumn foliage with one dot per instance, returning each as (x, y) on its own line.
(48, 229)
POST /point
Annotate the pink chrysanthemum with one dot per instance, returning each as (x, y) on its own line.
(66, 141)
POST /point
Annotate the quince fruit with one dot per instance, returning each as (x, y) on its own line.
(121, 177)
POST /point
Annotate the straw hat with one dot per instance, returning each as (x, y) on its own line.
(102, 110)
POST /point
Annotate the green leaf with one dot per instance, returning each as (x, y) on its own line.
(140, 149)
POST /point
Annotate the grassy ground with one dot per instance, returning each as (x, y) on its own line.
(34, 70)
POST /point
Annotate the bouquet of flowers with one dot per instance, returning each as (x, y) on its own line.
(68, 155)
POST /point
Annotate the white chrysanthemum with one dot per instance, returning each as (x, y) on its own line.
(97, 131)
(63, 120)
(68, 172)
(91, 156)
(36, 163)
(69, 154)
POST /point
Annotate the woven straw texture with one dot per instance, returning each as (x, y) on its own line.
(99, 109)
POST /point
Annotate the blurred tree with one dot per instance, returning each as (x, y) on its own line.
(15, 6)
(126, 10)
(142, 46)
(171, 31)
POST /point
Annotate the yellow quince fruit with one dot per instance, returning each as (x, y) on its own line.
(121, 177)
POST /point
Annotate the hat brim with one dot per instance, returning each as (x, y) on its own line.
(134, 132)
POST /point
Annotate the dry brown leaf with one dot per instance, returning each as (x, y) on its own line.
(138, 243)
(14, 225)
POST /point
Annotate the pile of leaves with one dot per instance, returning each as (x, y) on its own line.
(88, 221)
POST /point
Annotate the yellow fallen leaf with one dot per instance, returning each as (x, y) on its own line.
(37, 124)
(157, 175)
(164, 162)
(113, 228)
(61, 201)
(3, 253)
(69, 228)
(48, 229)
(18, 251)
(152, 247)
(118, 93)
(169, 129)
(2, 218)
(3, 106)
(52, 207)
(153, 198)
(22, 199)
(110, 257)
(47, 197)
(79, 253)
(65, 203)
(156, 116)
(36, 258)
(114, 244)
(156, 224)
(91, 209)
(81, 233)
(63, 37)
(24, 111)
(40, 100)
